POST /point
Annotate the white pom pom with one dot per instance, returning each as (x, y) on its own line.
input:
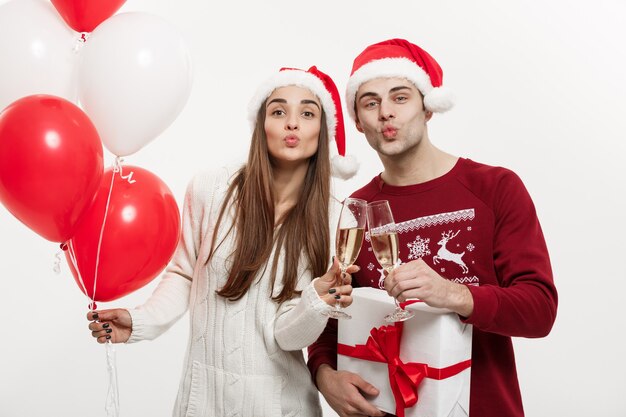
(344, 167)
(439, 100)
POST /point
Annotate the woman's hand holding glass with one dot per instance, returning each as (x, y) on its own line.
(384, 237)
(350, 233)
(328, 289)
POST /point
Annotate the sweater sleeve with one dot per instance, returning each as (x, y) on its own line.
(301, 320)
(170, 299)
(324, 349)
(525, 301)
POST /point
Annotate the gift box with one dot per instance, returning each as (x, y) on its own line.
(421, 366)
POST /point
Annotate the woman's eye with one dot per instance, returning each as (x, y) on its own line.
(278, 112)
(308, 114)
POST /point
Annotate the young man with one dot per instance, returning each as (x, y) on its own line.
(469, 236)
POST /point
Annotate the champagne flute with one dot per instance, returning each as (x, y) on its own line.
(384, 238)
(350, 233)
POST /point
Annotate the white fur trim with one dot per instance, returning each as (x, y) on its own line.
(390, 68)
(439, 100)
(301, 79)
(344, 167)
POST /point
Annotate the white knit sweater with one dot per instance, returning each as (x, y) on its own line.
(244, 357)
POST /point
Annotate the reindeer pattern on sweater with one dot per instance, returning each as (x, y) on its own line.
(443, 240)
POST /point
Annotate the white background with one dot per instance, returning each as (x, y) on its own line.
(540, 88)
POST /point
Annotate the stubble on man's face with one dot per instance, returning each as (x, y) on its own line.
(401, 134)
(406, 141)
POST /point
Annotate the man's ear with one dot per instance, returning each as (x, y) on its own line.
(358, 125)
(429, 114)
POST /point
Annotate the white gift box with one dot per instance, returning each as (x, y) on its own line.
(434, 337)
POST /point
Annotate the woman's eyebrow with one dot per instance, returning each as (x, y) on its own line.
(310, 102)
(283, 101)
(277, 100)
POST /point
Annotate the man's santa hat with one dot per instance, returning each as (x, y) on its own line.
(325, 89)
(402, 59)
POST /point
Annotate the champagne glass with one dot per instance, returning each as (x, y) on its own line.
(384, 237)
(350, 233)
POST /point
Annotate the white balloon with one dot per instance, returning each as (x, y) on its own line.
(134, 79)
(36, 52)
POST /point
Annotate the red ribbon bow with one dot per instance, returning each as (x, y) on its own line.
(383, 346)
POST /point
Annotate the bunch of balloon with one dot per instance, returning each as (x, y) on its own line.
(130, 73)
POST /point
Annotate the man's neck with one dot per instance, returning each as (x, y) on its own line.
(427, 163)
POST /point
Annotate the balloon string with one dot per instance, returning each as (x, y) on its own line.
(104, 221)
(112, 404)
(80, 42)
(118, 168)
(70, 250)
(57, 262)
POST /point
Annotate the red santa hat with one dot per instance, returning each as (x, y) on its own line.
(325, 89)
(400, 58)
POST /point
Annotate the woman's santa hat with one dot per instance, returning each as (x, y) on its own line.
(325, 89)
(400, 58)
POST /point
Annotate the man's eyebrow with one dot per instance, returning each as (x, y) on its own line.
(400, 87)
(368, 94)
(391, 91)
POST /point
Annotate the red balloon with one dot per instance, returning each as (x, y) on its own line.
(140, 234)
(86, 15)
(50, 164)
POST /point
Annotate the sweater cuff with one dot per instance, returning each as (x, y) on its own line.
(168, 303)
(140, 329)
(485, 306)
(313, 299)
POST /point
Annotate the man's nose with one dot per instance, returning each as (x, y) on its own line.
(386, 111)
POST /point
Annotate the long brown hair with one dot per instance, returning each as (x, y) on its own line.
(304, 229)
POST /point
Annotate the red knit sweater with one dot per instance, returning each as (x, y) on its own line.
(475, 225)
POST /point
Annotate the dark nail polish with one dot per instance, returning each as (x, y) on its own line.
(108, 336)
(332, 291)
(109, 330)
(337, 297)
(105, 325)
(95, 316)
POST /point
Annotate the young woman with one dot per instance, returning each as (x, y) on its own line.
(253, 242)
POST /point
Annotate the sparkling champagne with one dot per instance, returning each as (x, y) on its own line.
(349, 242)
(385, 247)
